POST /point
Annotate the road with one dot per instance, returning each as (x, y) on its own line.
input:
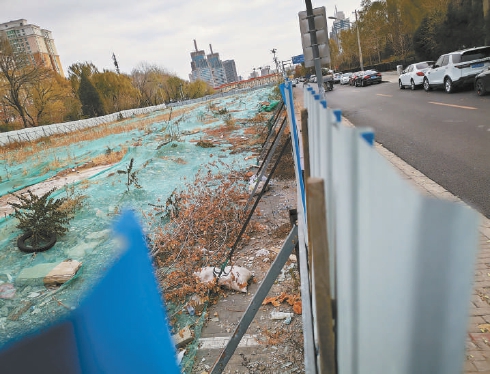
(445, 136)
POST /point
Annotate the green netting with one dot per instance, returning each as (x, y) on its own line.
(161, 167)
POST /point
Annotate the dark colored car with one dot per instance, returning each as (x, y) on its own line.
(367, 78)
(482, 82)
(353, 77)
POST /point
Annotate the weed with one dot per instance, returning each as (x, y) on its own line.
(132, 178)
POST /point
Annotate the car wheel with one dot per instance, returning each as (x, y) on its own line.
(402, 87)
(412, 85)
(363, 83)
(448, 85)
(480, 88)
(426, 85)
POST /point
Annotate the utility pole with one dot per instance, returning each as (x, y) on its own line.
(314, 45)
(359, 43)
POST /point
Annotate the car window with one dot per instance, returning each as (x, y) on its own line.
(475, 54)
(456, 57)
(424, 65)
(410, 69)
(439, 61)
(445, 60)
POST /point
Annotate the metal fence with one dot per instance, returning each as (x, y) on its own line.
(399, 264)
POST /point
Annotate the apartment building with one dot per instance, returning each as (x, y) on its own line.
(35, 42)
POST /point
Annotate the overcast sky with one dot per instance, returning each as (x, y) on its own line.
(162, 32)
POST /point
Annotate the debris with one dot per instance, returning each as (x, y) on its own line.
(48, 273)
(262, 252)
(7, 291)
(180, 356)
(233, 277)
(15, 315)
(62, 272)
(198, 303)
(281, 315)
(190, 310)
(183, 337)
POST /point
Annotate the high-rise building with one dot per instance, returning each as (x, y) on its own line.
(339, 24)
(210, 68)
(35, 42)
(230, 71)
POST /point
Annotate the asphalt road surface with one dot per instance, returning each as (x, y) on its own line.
(445, 136)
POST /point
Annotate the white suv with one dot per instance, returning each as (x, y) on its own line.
(457, 69)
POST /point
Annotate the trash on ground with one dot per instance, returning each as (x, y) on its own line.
(233, 277)
(281, 315)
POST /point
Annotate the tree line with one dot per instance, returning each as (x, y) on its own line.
(400, 30)
(33, 95)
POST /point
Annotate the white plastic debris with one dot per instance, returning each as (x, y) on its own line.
(281, 315)
(262, 252)
(180, 356)
(233, 277)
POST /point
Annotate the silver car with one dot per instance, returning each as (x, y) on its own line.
(413, 75)
(344, 79)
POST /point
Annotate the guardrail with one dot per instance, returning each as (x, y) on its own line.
(397, 265)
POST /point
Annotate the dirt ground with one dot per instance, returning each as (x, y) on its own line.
(269, 345)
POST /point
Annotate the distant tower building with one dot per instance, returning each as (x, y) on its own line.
(35, 42)
(217, 69)
(208, 68)
(266, 70)
(341, 23)
(230, 71)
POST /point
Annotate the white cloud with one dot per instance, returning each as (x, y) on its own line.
(162, 32)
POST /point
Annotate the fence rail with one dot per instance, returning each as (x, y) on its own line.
(400, 264)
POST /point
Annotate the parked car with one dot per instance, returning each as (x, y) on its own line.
(312, 79)
(413, 75)
(367, 78)
(344, 79)
(336, 77)
(457, 69)
(482, 82)
(353, 77)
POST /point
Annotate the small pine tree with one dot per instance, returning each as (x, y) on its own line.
(42, 215)
(92, 105)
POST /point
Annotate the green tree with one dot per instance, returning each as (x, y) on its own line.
(92, 105)
(75, 73)
(116, 91)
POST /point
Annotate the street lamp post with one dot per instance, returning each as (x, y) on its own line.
(336, 37)
(359, 43)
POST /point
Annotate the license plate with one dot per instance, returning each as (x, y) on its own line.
(479, 65)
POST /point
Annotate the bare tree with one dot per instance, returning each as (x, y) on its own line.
(17, 73)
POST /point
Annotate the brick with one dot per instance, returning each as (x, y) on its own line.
(482, 365)
(477, 355)
(480, 311)
(469, 367)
